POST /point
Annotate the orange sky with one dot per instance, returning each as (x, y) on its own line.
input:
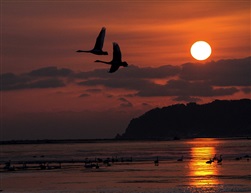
(36, 34)
(40, 34)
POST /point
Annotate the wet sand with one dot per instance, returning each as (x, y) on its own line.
(169, 176)
(139, 175)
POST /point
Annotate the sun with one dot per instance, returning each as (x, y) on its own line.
(201, 50)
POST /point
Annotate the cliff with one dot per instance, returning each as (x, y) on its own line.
(221, 118)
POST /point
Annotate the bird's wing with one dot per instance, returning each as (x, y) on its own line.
(114, 68)
(116, 52)
(100, 39)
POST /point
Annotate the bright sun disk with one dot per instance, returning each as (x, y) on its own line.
(201, 50)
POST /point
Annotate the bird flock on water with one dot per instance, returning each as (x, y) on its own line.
(215, 158)
(91, 163)
(116, 61)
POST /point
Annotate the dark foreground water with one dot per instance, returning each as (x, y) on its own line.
(132, 169)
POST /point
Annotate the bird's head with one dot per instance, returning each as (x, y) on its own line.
(124, 64)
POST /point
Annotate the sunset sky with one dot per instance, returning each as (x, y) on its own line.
(49, 91)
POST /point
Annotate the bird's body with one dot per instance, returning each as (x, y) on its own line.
(215, 158)
(219, 160)
(156, 162)
(180, 159)
(209, 161)
(116, 60)
(98, 45)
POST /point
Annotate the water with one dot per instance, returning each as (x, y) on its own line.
(191, 175)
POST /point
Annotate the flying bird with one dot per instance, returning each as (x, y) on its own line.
(98, 45)
(116, 60)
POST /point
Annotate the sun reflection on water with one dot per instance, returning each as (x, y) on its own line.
(200, 172)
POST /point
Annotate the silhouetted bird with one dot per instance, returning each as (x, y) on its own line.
(247, 156)
(209, 161)
(219, 160)
(91, 165)
(180, 159)
(238, 158)
(215, 158)
(98, 45)
(156, 162)
(8, 166)
(116, 60)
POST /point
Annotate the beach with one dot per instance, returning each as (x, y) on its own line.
(191, 175)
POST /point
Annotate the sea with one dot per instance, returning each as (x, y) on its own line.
(201, 165)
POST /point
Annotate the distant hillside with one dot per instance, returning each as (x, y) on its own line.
(221, 118)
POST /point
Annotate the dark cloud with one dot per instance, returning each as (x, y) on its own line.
(146, 105)
(234, 72)
(123, 99)
(185, 88)
(130, 95)
(49, 77)
(246, 90)
(84, 95)
(133, 72)
(186, 82)
(219, 78)
(109, 96)
(11, 81)
(126, 105)
(125, 83)
(94, 90)
(125, 102)
(151, 73)
(47, 83)
(187, 99)
(51, 71)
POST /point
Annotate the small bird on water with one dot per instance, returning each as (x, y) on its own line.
(156, 162)
(180, 159)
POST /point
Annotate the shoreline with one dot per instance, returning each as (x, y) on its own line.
(65, 141)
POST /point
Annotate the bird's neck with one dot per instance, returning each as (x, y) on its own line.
(103, 61)
(82, 51)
